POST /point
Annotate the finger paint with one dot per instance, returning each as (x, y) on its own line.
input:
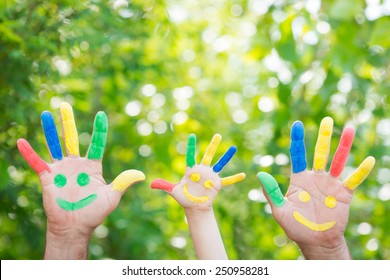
(83, 179)
(272, 188)
(361, 173)
(191, 148)
(126, 179)
(69, 129)
(233, 179)
(321, 152)
(50, 132)
(162, 185)
(342, 152)
(224, 159)
(99, 136)
(211, 149)
(297, 147)
(31, 157)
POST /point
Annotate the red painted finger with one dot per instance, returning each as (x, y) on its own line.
(162, 185)
(36, 163)
(341, 155)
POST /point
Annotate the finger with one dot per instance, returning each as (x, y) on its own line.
(50, 131)
(211, 149)
(232, 179)
(321, 152)
(224, 159)
(297, 147)
(361, 173)
(99, 136)
(162, 185)
(36, 163)
(191, 148)
(272, 189)
(69, 129)
(126, 179)
(342, 152)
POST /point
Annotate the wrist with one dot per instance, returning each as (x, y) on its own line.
(67, 244)
(319, 252)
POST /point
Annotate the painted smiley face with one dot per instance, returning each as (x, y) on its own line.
(330, 202)
(82, 180)
(208, 184)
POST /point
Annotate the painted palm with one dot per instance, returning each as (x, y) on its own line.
(73, 188)
(315, 209)
(201, 182)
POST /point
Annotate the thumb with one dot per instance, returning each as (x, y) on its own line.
(162, 185)
(126, 179)
(272, 190)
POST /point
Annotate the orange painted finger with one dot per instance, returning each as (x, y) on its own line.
(341, 155)
(36, 163)
(162, 185)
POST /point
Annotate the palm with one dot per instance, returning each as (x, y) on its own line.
(315, 209)
(201, 182)
(102, 198)
(75, 195)
(319, 198)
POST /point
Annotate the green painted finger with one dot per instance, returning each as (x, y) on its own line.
(99, 136)
(191, 147)
(272, 188)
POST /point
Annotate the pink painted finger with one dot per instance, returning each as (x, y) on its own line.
(36, 163)
(341, 155)
(162, 185)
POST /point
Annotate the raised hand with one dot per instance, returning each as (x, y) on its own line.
(201, 182)
(314, 213)
(196, 193)
(76, 198)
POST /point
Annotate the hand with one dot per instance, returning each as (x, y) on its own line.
(201, 183)
(314, 212)
(76, 198)
(196, 193)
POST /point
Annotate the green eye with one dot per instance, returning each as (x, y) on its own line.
(59, 180)
(83, 179)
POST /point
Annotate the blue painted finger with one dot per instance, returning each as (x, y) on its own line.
(51, 135)
(225, 159)
(297, 147)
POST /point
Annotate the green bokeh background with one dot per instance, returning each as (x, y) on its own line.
(164, 69)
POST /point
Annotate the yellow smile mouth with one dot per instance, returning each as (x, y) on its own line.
(311, 225)
(195, 199)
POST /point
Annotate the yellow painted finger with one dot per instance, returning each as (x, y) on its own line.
(321, 152)
(126, 179)
(232, 179)
(361, 173)
(211, 149)
(69, 129)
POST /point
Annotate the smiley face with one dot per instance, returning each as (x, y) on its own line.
(82, 180)
(196, 177)
(330, 202)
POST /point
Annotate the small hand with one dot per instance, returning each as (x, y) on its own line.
(201, 183)
(75, 195)
(315, 210)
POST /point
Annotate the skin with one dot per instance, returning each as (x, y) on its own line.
(75, 209)
(196, 193)
(314, 212)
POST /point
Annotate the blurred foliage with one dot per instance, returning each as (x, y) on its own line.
(164, 69)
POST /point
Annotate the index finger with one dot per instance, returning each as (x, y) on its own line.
(297, 147)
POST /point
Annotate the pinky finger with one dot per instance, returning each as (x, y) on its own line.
(357, 177)
(36, 163)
